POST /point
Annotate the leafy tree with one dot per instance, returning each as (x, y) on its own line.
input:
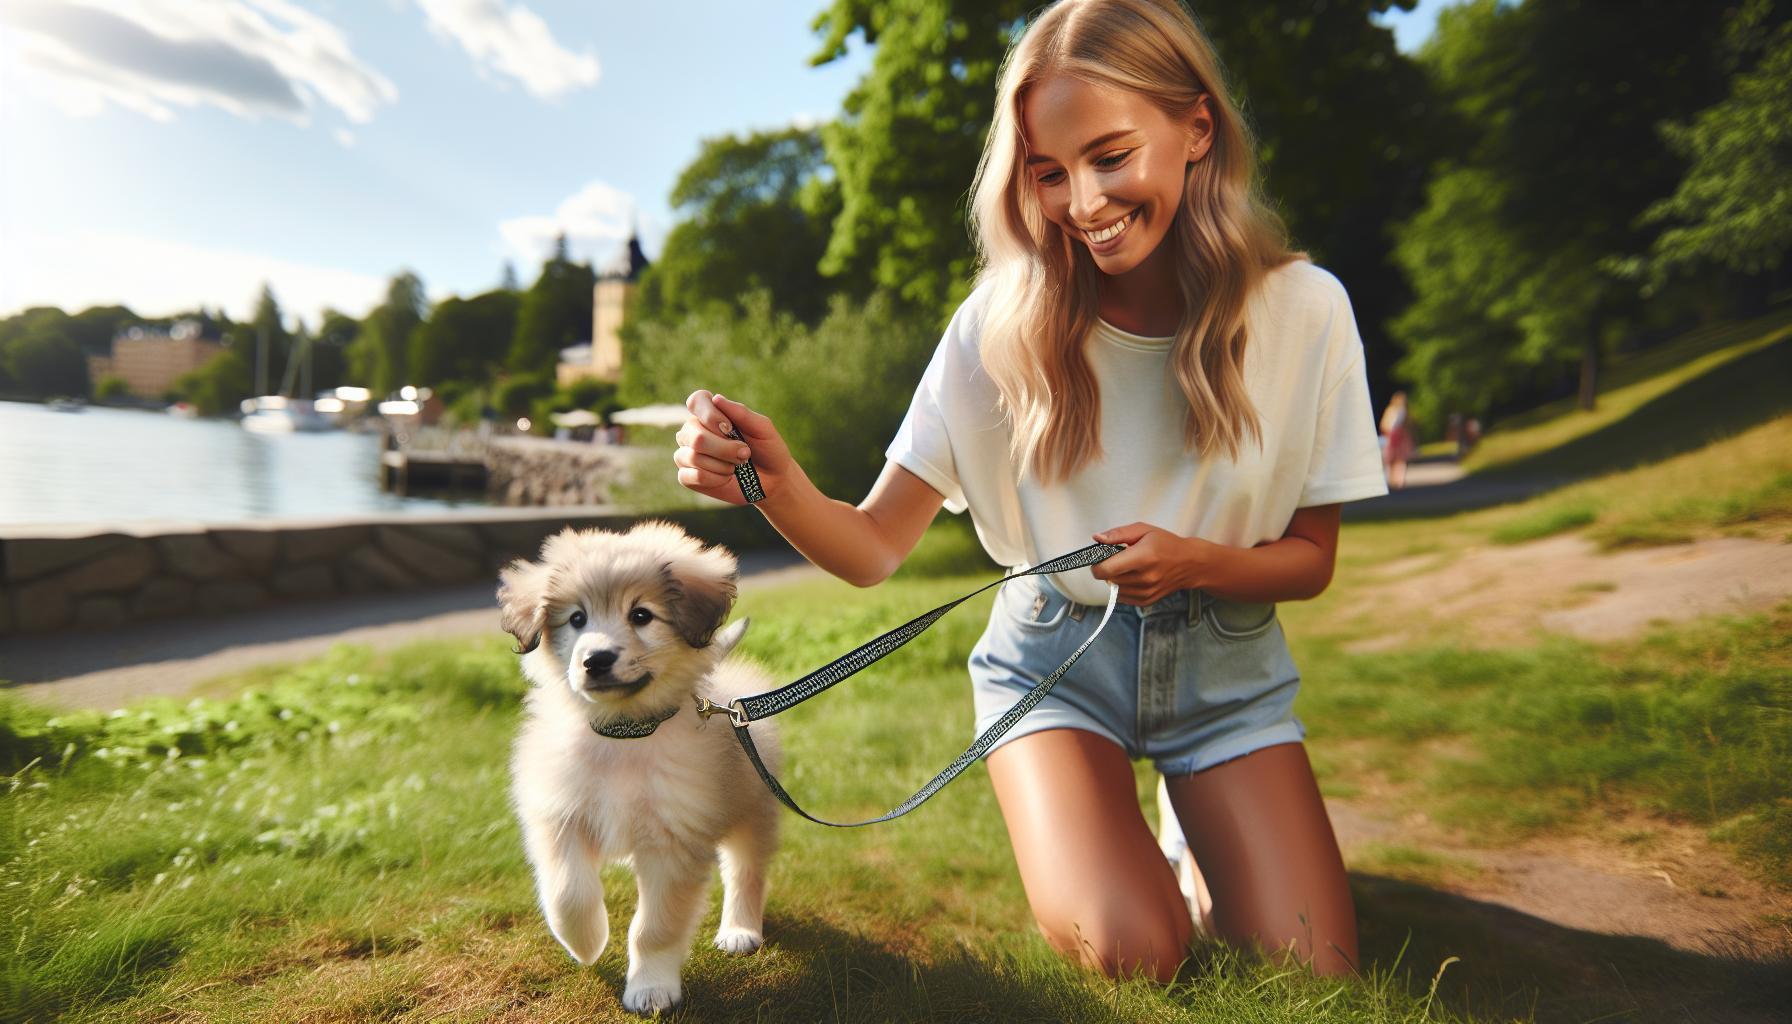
(45, 361)
(906, 146)
(378, 355)
(1733, 209)
(218, 387)
(1556, 104)
(110, 387)
(757, 212)
(336, 331)
(269, 340)
(555, 313)
(464, 339)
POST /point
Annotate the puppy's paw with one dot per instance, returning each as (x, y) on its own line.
(738, 941)
(644, 998)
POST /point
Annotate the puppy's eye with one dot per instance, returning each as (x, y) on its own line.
(577, 620)
(640, 616)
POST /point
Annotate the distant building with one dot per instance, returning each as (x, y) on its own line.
(150, 359)
(611, 299)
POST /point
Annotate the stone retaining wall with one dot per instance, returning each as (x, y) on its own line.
(60, 578)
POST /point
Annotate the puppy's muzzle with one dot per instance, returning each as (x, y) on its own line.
(598, 666)
(598, 663)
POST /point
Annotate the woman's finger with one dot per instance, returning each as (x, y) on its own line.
(692, 459)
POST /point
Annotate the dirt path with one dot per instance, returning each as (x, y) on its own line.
(1510, 593)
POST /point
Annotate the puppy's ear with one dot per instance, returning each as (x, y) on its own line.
(700, 589)
(726, 640)
(522, 604)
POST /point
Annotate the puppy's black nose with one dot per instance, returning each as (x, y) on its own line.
(600, 661)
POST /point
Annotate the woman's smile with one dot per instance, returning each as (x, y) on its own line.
(1109, 238)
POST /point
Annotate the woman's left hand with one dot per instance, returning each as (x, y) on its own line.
(1155, 564)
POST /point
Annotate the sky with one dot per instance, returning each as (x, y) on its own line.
(167, 154)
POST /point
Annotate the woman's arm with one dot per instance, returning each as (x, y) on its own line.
(1156, 562)
(861, 544)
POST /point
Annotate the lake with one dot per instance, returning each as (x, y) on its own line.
(118, 464)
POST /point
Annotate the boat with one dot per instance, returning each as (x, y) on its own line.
(67, 404)
(275, 414)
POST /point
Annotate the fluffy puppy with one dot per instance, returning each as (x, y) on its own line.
(618, 630)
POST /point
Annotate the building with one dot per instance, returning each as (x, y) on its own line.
(151, 359)
(612, 297)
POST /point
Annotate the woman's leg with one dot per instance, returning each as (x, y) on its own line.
(1259, 830)
(1098, 885)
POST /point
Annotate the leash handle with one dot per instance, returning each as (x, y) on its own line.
(747, 476)
(743, 712)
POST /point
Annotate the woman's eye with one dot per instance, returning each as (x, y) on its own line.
(640, 616)
(1116, 160)
(577, 620)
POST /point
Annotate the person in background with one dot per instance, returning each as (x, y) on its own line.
(1397, 440)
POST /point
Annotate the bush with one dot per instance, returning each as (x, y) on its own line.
(109, 388)
(836, 392)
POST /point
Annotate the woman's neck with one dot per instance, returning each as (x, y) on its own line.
(1145, 300)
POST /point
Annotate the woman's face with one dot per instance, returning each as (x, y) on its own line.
(1108, 165)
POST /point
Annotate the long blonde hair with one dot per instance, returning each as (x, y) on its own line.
(1043, 302)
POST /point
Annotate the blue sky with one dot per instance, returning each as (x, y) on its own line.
(168, 153)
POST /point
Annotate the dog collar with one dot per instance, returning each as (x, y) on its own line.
(632, 728)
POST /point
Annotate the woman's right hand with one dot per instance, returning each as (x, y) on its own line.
(706, 455)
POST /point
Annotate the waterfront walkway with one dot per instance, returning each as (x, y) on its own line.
(109, 669)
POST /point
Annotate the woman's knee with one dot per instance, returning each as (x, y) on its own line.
(1118, 939)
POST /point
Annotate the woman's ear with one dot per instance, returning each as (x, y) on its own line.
(1199, 126)
(522, 604)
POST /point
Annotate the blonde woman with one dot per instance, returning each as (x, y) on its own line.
(1396, 439)
(1143, 362)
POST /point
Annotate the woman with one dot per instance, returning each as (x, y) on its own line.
(1145, 363)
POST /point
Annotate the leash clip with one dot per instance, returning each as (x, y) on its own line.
(737, 715)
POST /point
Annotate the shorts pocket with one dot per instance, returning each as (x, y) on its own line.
(1030, 603)
(1240, 620)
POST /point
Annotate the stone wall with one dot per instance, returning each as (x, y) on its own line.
(94, 577)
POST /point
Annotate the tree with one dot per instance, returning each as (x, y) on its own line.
(219, 386)
(906, 146)
(329, 350)
(1733, 208)
(378, 355)
(1556, 103)
(45, 361)
(757, 212)
(465, 340)
(270, 341)
(555, 313)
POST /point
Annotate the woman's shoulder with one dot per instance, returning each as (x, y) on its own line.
(1300, 300)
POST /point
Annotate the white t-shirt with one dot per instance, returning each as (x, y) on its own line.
(1303, 370)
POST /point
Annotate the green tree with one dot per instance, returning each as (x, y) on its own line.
(555, 314)
(218, 387)
(269, 341)
(757, 211)
(465, 340)
(378, 356)
(1556, 156)
(45, 361)
(1733, 208)
(906, 145)
(336, 331)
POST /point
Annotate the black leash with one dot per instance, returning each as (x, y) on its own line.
(744, 711)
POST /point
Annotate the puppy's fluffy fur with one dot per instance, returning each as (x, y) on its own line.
(625, 626)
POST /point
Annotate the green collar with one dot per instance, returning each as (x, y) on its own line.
(633, 728)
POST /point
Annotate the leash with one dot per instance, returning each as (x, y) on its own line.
(744, 711)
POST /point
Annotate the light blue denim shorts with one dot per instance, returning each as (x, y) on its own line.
(1189, 682)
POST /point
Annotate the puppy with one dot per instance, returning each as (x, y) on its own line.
(618, 631)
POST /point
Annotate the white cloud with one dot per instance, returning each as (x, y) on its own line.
(253, 58)
(596, 221)
(345, 138)
(511, 40)
(156, 278)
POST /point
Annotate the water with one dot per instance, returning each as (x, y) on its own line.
(119, 465)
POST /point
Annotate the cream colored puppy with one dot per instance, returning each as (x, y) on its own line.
(618, 632)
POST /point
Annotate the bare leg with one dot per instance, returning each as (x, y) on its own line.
(1098, 885)
(746, 854)
(1259, 831)
(671, 890)
(568, 885)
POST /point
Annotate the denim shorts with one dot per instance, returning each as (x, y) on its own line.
(1189, 681)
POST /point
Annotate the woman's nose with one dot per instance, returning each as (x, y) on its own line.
(1086, 202)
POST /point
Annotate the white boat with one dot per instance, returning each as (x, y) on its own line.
(274, 414)
(67, 404)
